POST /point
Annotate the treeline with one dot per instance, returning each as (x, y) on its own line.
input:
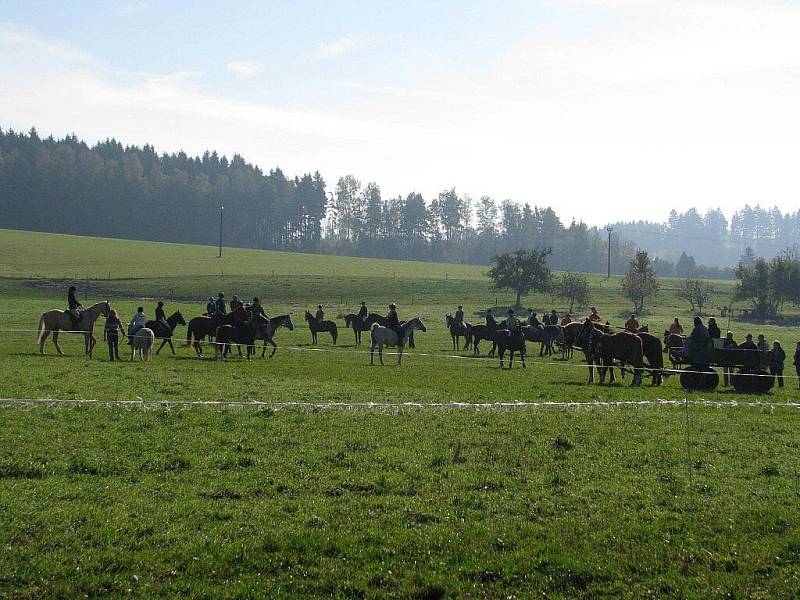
(67, 186)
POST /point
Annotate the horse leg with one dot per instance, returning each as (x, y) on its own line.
(45, 333)
(372, 353)
(274, 349)
(380, 353)
(522, 358)
(400, 355)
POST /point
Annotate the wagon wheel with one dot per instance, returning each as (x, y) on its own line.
(700, 378)
(754, 381)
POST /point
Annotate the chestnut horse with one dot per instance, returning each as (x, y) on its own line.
(316, 327)
(57, 320)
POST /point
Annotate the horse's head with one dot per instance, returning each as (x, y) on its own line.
(289, 323)
(645, 329)
(309, 316)
(416, 323)
(179, 317)
(106, 309)
(666, 335)
(448, 319)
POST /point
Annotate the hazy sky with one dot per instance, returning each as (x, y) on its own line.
(605, 110)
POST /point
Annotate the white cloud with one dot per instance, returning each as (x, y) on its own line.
(243, 68)
(131, 7)
(340, 47)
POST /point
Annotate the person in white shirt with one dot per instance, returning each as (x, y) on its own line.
(137, 322)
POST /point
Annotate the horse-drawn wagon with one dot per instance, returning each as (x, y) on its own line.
(749, 368)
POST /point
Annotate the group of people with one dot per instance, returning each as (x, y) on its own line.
(220, 306)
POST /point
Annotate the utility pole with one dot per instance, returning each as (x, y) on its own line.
(221, 208)
(609, 229)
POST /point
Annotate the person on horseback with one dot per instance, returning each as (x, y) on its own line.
(632, 325)
(698, 340)
(160, 314)
(459, 317)
(236, 303)
(393, 322)
(219, 305)
(257, 309)
(490, 321)
(566, 320)
(137, 322)
(553, 317)
(74, 307)
(320, 316)
(363, 313)
(533, 320)
(512, 323)
(210, 306)
(676, 328)
(594, 317)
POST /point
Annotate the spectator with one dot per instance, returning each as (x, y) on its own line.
(676, 328)
(713, 328)
(776, 366)
(632, 325)
(762, 343)
(797, 361)
(729, 343)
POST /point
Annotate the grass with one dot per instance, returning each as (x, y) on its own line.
(249, 500)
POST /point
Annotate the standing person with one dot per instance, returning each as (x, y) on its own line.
(675, 327)
(762, 343)
(713, 329)
(776, 366)
(459, 317)
(219, 305)
(730, 344)
(160, 315)
(236, 303)
(393, 321)
(797, 361)
(632, 325)
(211, 306)
(594, 317)
(320, 316)
(363, 312)
(74, 307)
(748, 344)
(490, 321)
(111, 332)
(137, 322)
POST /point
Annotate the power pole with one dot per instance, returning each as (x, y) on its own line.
(221, 208)
(609, 229)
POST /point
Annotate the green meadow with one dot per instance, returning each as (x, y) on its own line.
(269, 492)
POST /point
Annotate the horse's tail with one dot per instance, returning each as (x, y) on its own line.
(189, 334)
(372, 330)
(334, 332)
(40, 331)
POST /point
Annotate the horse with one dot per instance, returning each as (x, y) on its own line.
(381, 336)
(458, 330)
(572, 335)
(651, 347)
(504, 340)
(624, 346)
(358, 325)
(206, 326)
(382, 321)
(673, 347)
(57, 320)
(164, 332)
(243, 335)
(546, 336)
(142, 341)
(315, 327)
(267, 332)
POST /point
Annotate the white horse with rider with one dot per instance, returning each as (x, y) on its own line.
(386, 336)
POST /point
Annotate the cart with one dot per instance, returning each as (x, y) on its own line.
(751, 369)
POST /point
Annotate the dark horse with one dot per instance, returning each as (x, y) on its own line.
(505, 339)
(482, 332)
(267, 332)
(651, 346)
(546, 336)
(242, 334)
(315, 327)
(624, 346)
(458, 330)
(359, 326)
(206, 326)
(164, 332)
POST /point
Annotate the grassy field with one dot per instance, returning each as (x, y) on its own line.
(240, 499)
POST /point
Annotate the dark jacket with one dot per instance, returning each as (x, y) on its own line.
(748, 346)
(797, 359)
(490, 322)
(778, 357)
(160, 316)
(320, 316)
(363, 313)
(72, 302)
(219, 306)
(726, 343)
(713, 330)
(258, 309)
(392, 321)
(459, 316)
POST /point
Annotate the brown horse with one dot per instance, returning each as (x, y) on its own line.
(316, 327)
(505, 340)
(651, 347)
(57, 320)
(459, 330)
(479, 333)
(673, 347)
(625, 347)
(206, 326)
(243, 334)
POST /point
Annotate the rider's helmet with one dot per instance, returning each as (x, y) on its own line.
(221, 295)
(256, 300)
(140, 309)
(363, 303)
(160, 303)
(392, 306)
(511, 311)
(460, 307)
(72, 289)
(319, 305)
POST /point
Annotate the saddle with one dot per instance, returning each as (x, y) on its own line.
(72, 316)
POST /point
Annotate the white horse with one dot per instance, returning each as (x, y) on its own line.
(142, 341)
(384, 336)
(57, 320)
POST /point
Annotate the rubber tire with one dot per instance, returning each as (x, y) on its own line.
(747, 384)
(705, 381)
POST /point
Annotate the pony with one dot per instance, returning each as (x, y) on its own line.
(57, 320)
(142, 341)
(267, 332)
(458, 330)
(315, 327)
(164, 332)
(381, 336)
(505, 340)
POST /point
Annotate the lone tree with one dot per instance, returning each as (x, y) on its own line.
(522, 271)
(698, 292)
(768, 284)
(640, 281)
(572, 287)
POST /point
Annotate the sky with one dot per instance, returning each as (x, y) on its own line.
(604, 109)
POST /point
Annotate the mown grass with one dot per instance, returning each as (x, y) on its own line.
(175, 499)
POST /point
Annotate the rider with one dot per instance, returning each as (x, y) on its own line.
(594, 317)
(566, 320)
(160, 315)
(258, 309)
(459, 317)
(553, 317)
(490, 322)
(363, 313)
(137, 322)
(320, 316)
(699, 339)
(676, 328)
(211, 306)
(393, 322)
(632, 325)
(74, 307)
(219, 305)
(533, 320)
(236, 303)
(512, 323)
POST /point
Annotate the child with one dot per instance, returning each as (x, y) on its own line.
(111, 334)
(797, 359)
(778, 356)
